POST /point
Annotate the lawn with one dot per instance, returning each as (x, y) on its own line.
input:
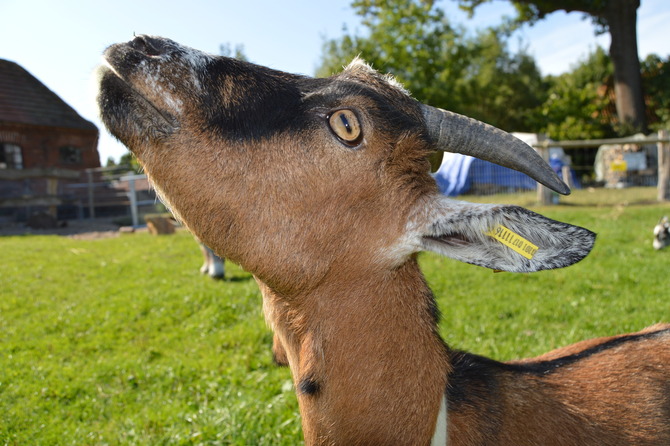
(122, 341)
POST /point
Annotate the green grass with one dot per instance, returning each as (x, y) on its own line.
(122, 341)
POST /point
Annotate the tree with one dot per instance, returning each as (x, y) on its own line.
(409, 39)
(502, 88)
(578, 104)
(129, 162)
(226, 49)
(581, 103)
(441, 65)
(656, 83)
(619, 18)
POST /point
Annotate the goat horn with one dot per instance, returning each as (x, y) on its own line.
(459, 134)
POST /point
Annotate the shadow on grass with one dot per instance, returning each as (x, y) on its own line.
(238, 278)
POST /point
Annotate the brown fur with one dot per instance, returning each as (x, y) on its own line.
(331, 234)
(614, 396)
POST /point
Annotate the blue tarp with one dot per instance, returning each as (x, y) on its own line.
(459, 172)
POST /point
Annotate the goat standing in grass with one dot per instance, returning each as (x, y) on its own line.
(213, 265)
(321, 188)
(662, 233)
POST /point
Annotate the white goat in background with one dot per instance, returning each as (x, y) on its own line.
(321, 188)
(213, 266)
(662, 233)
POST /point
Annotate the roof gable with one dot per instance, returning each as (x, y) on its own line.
(26, 100)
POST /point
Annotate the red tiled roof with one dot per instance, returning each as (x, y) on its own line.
(26, 100)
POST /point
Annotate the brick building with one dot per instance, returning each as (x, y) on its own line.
(38, 129)
(41, 134)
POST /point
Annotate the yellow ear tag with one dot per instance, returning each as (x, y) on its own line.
(514, 241)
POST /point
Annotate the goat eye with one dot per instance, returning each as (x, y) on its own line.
(345, 125)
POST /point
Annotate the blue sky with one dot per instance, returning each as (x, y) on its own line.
(60, 42)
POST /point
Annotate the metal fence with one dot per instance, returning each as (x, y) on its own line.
(64, 194)
(612, 163)
(621, 162)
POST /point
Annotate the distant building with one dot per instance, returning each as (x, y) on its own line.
(44, 143)
(38, 129)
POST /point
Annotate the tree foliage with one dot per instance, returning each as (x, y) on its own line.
(227, 50)
(477, 75)
(656, 82)
(127, 163)
(440, 64)
(530, 11)
(580, 104)
(577, 104)
(619, 19)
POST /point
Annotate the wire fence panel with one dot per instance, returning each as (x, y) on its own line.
(610, 163)
(72, 195)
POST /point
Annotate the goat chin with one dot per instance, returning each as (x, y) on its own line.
(322, 189)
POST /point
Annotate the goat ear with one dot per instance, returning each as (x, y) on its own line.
(506, 238)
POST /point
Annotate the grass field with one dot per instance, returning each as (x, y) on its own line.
(122, 341)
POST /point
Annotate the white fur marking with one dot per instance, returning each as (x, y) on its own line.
(197, 60)
(359, 63)
(156, 83)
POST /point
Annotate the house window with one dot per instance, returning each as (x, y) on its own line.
(70, 155)
(10, 156)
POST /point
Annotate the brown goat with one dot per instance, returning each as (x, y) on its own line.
(321, 188)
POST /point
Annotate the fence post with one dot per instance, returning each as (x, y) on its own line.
(567, 176)
(543, 192)
(663, 193)
(91, 207)
(132, 194)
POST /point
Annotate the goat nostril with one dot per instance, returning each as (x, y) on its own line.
(147, 45)
(138, 44)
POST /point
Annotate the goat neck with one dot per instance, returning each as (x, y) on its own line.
(345, 347)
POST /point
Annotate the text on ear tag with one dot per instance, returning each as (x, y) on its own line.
(514, 241)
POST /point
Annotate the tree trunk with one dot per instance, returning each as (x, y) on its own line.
(621, 18)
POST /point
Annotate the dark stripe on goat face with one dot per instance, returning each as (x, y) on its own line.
(382, 103)
(247, 102)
